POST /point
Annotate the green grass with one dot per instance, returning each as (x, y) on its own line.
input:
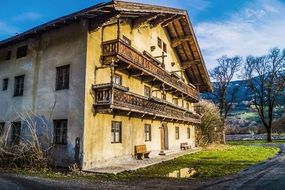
(254, 142)
(209, 163)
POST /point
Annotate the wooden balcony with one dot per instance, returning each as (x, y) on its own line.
(140, 65)
(111, 98)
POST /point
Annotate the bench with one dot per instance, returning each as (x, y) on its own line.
(140, 151)
(184, 146)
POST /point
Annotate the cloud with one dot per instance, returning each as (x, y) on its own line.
(27, 16)
(253, 30)
(7, 29)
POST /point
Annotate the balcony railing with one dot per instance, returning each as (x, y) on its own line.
(110, 96)
(125, 52)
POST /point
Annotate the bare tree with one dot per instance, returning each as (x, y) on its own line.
(265, 78)
(222, 75)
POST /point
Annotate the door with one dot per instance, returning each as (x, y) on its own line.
(164, 136)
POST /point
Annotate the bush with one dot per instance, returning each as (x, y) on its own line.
(211, 128)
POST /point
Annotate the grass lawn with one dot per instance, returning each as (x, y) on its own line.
(209, 163)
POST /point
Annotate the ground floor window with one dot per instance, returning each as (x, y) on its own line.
(2, 125)
(16, 132)
(176, 132)
(116, 132)
(188, 133)
(147, 132)
(60, 131)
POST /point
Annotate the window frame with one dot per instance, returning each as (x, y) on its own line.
(5, 84)
(116, 127)
(177, 135)
(8, 55)
(147, 91)
(19, 85)
(147, 132)
(159, 42)
(16, 132)
(164, 45)
(115, 77)
(187, 106)
(61, 126)
(22, 51)
(188, 133)
(175, 101)
(62, 77)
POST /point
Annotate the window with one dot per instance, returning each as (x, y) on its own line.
(175, 101)
(187, 106)
(159, 42)
(60, 131)
(127, 40)
(163, 96)
(8, 55)
(176, 132)
(2, 125)
(116, 132)
(147, 132)
(22, 51)
(19, 85)
(62, 77)
(117, 79)
(164, 47)
(5, 84)
(188, 133)
(16, 132)
(147, 91)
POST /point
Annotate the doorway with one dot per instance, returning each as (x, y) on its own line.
(164, 136)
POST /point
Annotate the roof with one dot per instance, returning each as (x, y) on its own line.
(176, 22)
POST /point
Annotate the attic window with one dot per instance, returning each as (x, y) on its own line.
(159, 42)
(22, 51)
(164, 47)
(8, 55)
(127, 40)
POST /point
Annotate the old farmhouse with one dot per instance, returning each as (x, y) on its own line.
(112, 77)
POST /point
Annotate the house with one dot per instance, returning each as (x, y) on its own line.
(112, 76)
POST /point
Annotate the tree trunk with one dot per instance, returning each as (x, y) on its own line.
(269, 139)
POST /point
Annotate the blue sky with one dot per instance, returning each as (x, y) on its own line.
(223, 27)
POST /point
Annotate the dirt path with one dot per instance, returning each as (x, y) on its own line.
(269, 175)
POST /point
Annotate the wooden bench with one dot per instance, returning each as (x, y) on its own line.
(184, 146)
(140, 151)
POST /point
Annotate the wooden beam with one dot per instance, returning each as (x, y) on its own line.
(170, 20)
(161, 18)
(187, 64)
(136, 23)
(177, 41)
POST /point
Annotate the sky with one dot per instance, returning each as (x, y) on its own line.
(223, 27)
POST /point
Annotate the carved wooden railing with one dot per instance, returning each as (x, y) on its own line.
(117, 97)
(140, 61)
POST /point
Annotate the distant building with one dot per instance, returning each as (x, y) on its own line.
(115, 75)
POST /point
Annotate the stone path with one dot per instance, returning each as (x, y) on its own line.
(133, 164)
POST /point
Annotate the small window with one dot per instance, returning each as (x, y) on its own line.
(159, 42)
(147, 91)
(22, 51)
(60, 131)
(147, 132)
(176, 133)
(188, 133)
(8, 55)
(62, 77)
(164, 47)
(2, 125)
(187, 106)
(19, 85)
(117, 79)
(163, 96)
(175, 101)
(116, 132)
(16, 132)
(5, 84)
(127, 40)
